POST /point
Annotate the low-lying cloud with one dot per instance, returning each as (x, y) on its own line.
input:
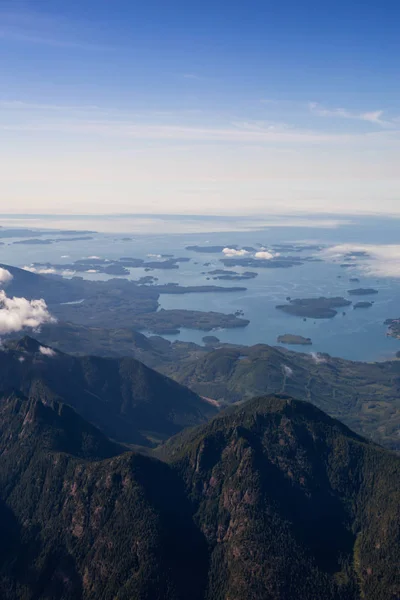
(5, 276)
(17, 314)
(47, 351)
(264, 254)
(235, 252)
(40, 270)
(287, 371)
(317, 358)
(380, 261)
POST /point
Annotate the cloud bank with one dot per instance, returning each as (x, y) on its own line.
(40, 270)
(380, 261)
(17, 314)
(5, 276)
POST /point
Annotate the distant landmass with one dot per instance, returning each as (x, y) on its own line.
(119, 302)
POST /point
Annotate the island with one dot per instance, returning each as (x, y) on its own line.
(119, 267)
(225, 275)
(171, 321)
(34, 242)
(293, 340)
(296, 247)
(356, 254)
(394, 328)
(210, 340)
(362, 292)
(278, 262)
(362, 304)
(175, 288)
(48, 241)
(315, 308)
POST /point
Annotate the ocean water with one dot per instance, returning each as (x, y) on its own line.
(359, 335)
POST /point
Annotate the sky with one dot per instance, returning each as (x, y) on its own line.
(208, 107)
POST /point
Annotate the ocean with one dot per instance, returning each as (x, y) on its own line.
(358, 335)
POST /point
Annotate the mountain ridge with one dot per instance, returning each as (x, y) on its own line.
(128, 401)
(271, 499)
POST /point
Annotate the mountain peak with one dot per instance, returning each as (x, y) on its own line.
(25, 344)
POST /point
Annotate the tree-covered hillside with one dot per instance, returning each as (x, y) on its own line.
(271, 499)
(128, 401)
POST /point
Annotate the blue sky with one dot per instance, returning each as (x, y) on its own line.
(240, 107)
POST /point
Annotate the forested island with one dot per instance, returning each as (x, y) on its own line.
(293, 340)
(362, 292)
(316, 308)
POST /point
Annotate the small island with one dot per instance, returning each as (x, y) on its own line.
(362, 304)
(294, 340)
(225, 275)
(210, 340)
(356, 254)
(314, 308)
(362, 292)
(394, 328)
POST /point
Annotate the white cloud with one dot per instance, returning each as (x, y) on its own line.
(40, 270)
(47, 351)
(287, 371)
(234, 252)
(18, 313)
(317, 358)
(91, 271)
(380, 261)
(374, 117)
(5, 276)
(265, 255)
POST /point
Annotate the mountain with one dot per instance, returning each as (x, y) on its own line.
(73, 526)
(271, 499)
(365, 396)
(292, 504)
(128, 401)
(53, 289)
